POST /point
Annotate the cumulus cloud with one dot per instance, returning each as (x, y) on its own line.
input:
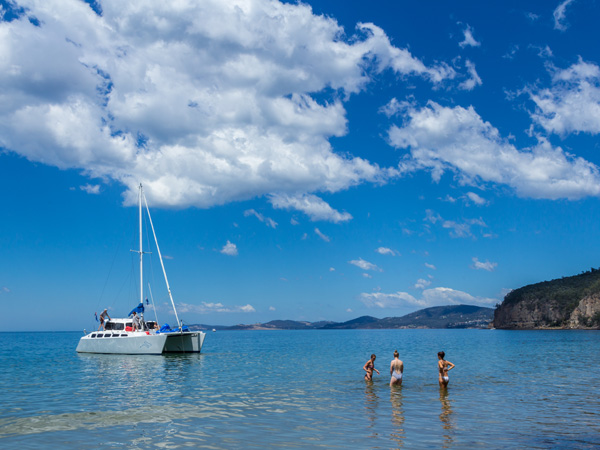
(229, 249)
(473, 81)
(91, 189)
(429, 297)
(208, 307)
(422, 283)
(478, 200)
(266, 220)
(469, 40)
(204, 102)
(365, 265)
(386, 251)
(480, 265)
(456, 229)
(459, 141)
(311, 205)
(560, 15)
(572, 103)
(321, 235)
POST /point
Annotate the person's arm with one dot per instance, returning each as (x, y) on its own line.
(365, 366)
(402, 367)
(391, 368)
(450, 365)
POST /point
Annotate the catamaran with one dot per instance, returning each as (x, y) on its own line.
(136, 335)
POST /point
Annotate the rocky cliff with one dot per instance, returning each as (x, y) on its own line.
(568, 303)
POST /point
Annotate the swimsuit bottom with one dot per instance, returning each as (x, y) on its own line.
(397, 375)
(446, 379)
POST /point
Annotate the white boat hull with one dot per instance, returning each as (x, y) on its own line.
(127, 343)
(140, 343)
(184, 342)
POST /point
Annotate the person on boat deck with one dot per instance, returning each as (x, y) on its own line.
(103, 316)
(136, 322)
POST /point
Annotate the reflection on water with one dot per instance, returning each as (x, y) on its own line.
(446, 418)
(371, 404)
(397, 434)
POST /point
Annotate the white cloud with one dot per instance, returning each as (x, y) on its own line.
(321, 235)
(394, 300)
(572, 104)
(476, 198)
(469, 40)
(367, 275)
(332, 269)
(386, 251)
(311, 205)
(473, 81)
(204, 102)
(430, 266)
(457, 140)
(480, 265)
(5, 290)
(208, 307)
(430, 297)
(422, 283)
(349, 310)
(364, 265)
(229, 249)
(91, 189)
(560, 15)
(457, 229)
(271, 308)
(266, 220)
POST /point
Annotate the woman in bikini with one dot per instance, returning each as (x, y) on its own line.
(396, 370)
(443, 368)
(369, 367)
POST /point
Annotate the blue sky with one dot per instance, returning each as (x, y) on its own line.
(307, 161)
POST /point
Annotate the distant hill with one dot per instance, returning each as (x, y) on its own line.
(568, 302)
(452, 316)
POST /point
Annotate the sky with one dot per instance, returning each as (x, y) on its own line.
(309, 161)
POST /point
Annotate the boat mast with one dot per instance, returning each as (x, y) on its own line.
(141, 251)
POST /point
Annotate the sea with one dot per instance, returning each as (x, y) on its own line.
(305, 390)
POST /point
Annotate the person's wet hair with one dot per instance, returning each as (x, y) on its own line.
(373, 356)
(396, 354)
(441, 355)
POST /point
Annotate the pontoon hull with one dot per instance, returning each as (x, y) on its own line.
(132, 344)
(184, 342)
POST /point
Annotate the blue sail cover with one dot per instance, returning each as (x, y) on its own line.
(138, 309)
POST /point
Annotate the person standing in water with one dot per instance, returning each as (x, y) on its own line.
(443, 368)
(396, 370)
(369, 367)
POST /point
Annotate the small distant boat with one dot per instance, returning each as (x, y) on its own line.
(121, 337)
(213, 330)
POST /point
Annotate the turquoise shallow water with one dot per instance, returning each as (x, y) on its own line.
(305, 389)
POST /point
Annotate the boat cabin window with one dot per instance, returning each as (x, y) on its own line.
(114, 326)
(123, 335)
(93, 335)
(99, 335)
(107, 335)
